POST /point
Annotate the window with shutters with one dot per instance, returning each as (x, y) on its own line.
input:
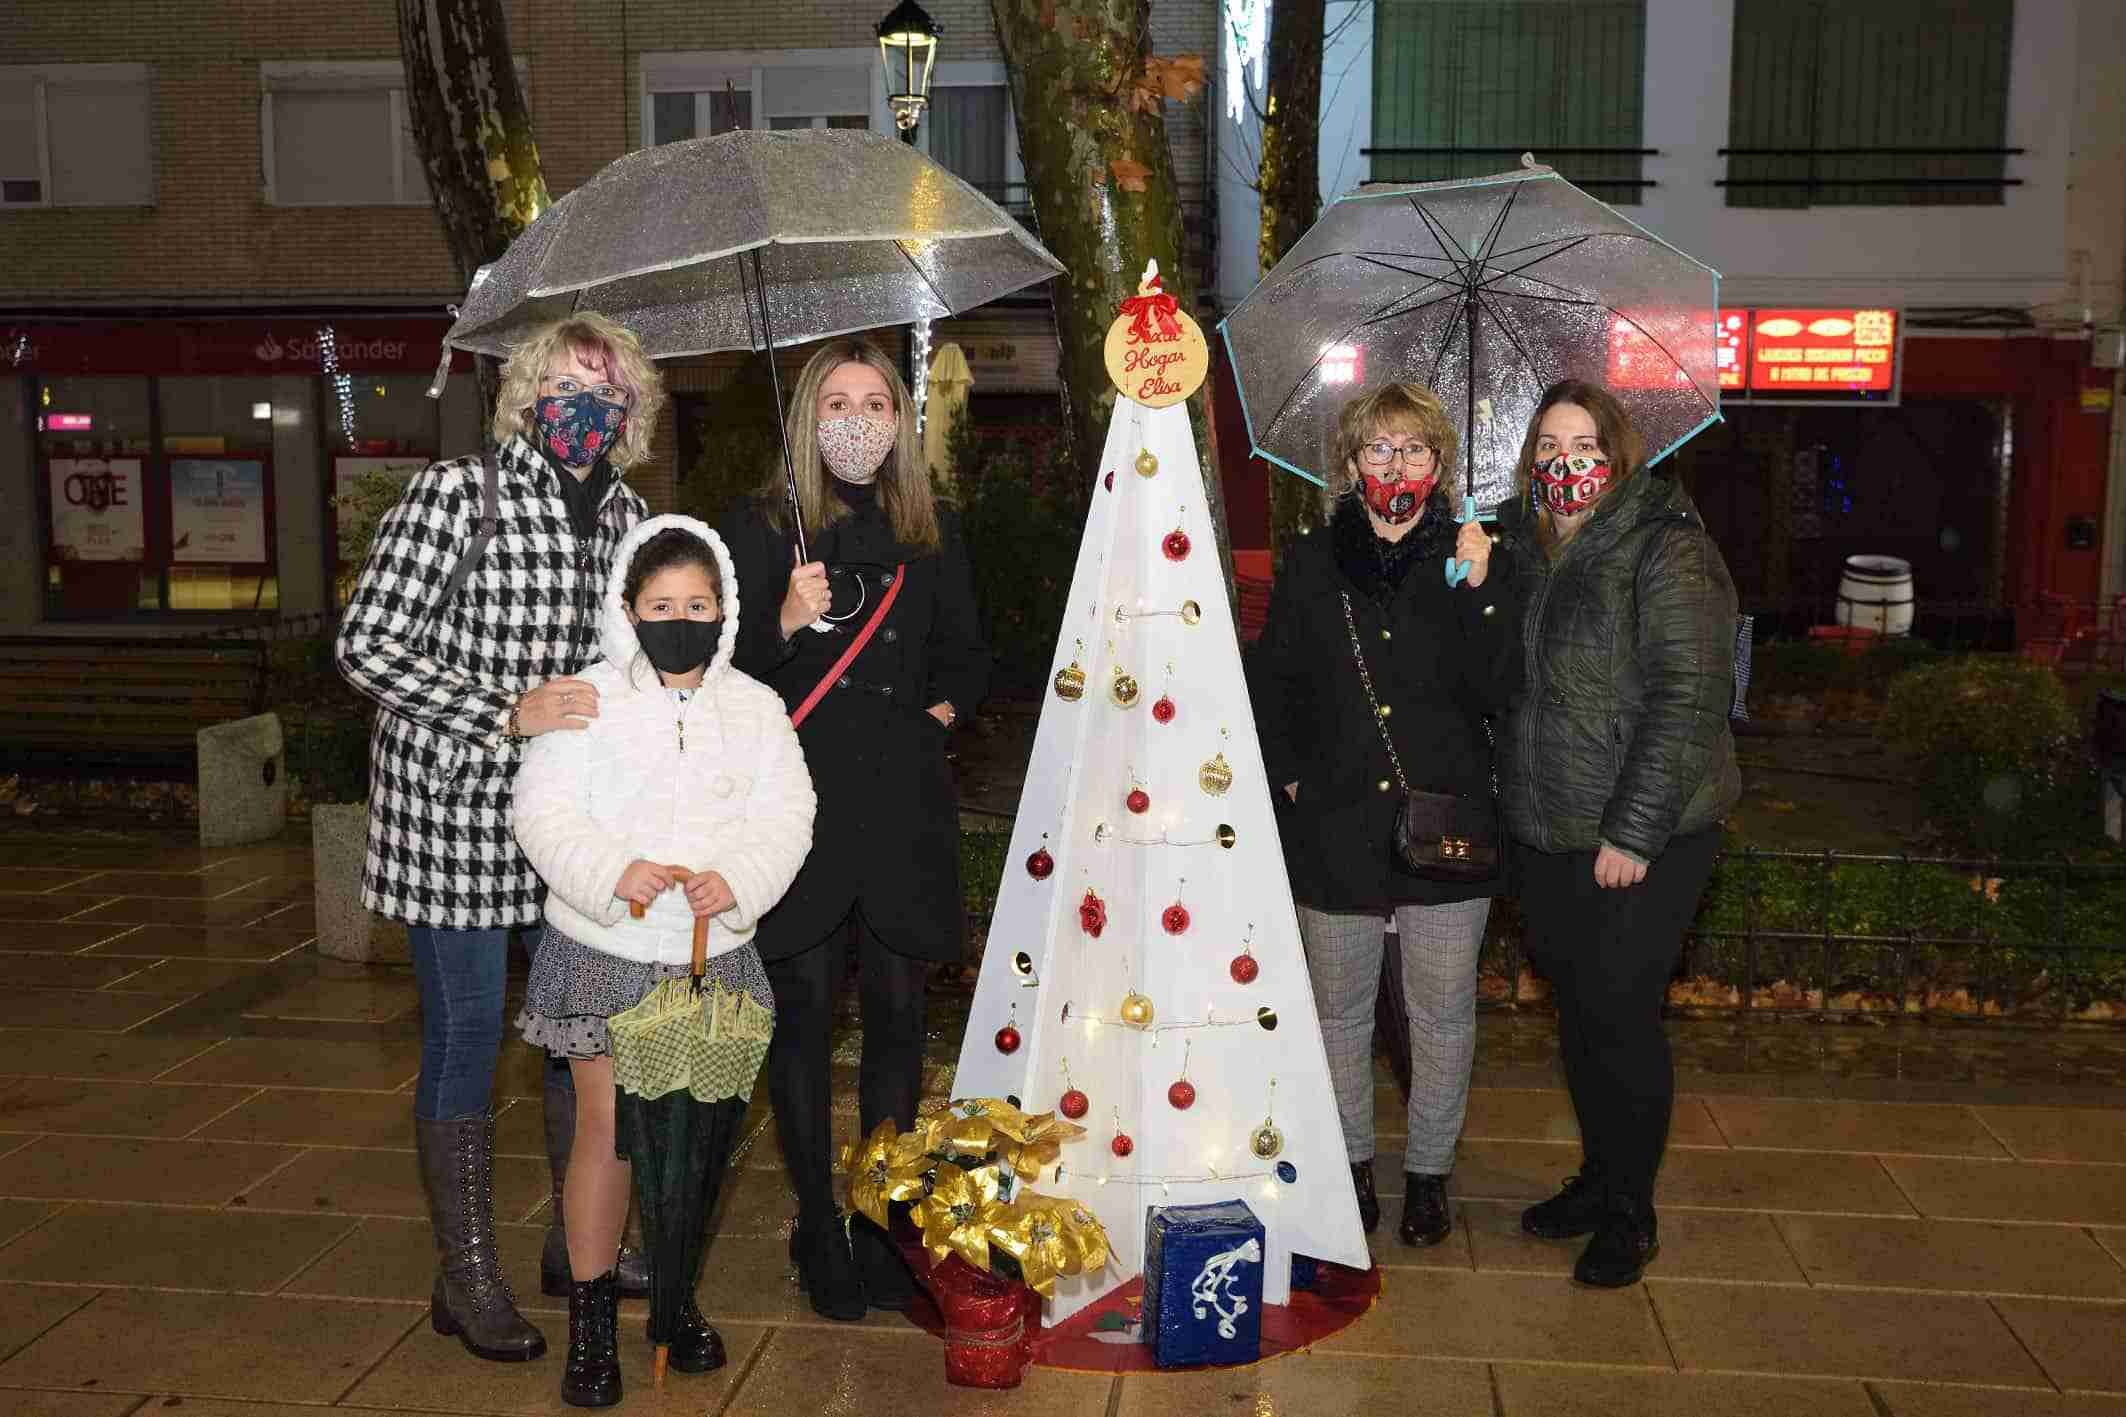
(699, 95)
(340, 135)
(969, 127)
(1889, 103)
(77, 135)
(1462, 89)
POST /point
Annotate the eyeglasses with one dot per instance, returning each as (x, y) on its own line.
(605, 393)
(1381, 453)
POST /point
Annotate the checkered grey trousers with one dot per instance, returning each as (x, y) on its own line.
(1439, 945)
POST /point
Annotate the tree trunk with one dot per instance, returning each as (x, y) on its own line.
(473, 131)
(1289, 182)
(1104, 195)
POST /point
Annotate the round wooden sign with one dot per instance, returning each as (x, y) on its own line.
(1156, 354)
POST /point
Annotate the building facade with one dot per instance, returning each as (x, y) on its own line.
(1954, 165)
(223, 291)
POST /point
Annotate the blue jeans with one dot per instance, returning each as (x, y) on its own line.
(462, 976)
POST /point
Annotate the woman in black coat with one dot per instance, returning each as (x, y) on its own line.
(885, 862)
(1439, 659)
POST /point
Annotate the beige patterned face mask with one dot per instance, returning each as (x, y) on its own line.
(855, 447)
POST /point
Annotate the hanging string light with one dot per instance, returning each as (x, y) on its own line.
(1247, 34)
(920, 393)
(328, 354)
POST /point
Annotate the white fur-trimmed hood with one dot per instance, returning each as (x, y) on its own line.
(617, 639)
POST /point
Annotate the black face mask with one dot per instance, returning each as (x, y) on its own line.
(679, 646)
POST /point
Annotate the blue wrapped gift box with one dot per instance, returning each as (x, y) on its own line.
(1203, 1284)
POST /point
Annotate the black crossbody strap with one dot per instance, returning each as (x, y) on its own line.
(490, 522)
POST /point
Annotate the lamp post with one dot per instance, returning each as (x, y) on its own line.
(907, 51)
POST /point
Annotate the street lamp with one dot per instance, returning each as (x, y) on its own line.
(907, 48)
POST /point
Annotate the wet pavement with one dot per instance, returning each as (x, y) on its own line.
(208, 1205)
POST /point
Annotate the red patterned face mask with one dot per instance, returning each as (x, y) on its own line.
(1399, 500)
(1570, 483)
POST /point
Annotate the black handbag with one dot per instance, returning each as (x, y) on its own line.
(1438, 836)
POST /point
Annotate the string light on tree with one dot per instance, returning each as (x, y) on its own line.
(1247, 35)
(328, 357)
(919, 333)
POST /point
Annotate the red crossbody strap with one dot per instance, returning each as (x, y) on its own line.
(863, 637)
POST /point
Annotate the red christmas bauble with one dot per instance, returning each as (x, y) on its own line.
(1007, 1039)
(1040, 864)
(1182, 1094)
(1174, 918)
(1245, 969)
(1175, 546)
(1110, 482)
(1074, 1105)
(1163, 709)
(1122, 1145)
(1138, 801)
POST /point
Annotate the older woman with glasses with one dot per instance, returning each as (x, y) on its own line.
(461, 679)
(1435, 661)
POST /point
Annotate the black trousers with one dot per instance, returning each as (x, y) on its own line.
(799, 1066)
(1608, 955)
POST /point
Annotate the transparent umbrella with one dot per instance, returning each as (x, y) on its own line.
(752, 240)
(1487, 290)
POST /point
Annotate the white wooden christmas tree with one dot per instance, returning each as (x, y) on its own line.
(1145, 803)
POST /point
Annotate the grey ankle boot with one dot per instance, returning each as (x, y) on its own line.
(471, 1299)
(633, 1268)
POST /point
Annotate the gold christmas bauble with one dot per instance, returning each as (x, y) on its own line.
(1136, 1009)
(1147, 464)
(1266, 1141)
(1191, 612)
(1123, 688)
(1215, 776)
(1070, 683)
(1227, 836)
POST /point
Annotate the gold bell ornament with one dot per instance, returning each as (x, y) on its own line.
(1216, 774)
(1070, 679)
(1266, 1140)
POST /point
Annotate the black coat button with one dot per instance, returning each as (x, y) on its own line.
(885, 578)
(842, 683)
(889, 634)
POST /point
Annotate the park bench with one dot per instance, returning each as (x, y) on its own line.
(121, 701)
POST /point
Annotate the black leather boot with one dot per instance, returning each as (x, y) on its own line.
(471, 1301)
(592, 1377)
(1572, 1212)
(559, 1099)
(887, 1282)
(1368, 1199)
(696, 1348)
(1624, 1244)
(1427, 1220)
(820, 1250)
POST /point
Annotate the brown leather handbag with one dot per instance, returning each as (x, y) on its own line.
(1438, 836)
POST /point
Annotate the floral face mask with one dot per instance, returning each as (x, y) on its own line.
(578, 429)
(855, 447)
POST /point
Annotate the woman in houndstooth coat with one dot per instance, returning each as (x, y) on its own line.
(461, 686)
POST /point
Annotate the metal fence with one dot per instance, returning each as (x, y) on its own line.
(1837, 934)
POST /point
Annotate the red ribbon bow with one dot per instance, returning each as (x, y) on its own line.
(1144, 309)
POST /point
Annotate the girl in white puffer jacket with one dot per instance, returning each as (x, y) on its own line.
(687, 763)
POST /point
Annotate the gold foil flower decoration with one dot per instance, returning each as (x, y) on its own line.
(884, 1168)
(1050, 1238)
(978, 1121)
(958, 1212)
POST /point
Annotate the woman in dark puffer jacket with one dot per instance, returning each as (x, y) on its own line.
(1617, 771)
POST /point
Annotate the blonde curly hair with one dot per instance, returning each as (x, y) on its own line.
(603, 344)
(1406, 408)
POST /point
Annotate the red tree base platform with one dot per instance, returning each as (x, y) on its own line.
(992, 1328)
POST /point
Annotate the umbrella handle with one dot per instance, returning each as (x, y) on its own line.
(701, 923)
(1458, 571)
